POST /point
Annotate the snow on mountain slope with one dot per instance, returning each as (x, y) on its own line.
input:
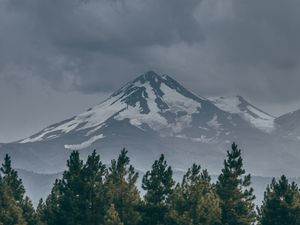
(155, 114)
(144, 102)
(161, 104)
(84, 144)
(238, 105)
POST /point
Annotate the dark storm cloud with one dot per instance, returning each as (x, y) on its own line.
(213, 46)
(87, 44)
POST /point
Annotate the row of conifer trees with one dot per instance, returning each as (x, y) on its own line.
(90, 193)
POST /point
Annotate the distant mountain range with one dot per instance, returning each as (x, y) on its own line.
(39, 185)
(155, 114)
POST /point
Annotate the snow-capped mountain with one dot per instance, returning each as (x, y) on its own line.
(155, 114)
(160, 104)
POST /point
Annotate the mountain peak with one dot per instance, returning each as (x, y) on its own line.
(158, 103)
(149, 76)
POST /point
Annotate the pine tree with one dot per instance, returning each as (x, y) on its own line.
(66, 203)
(93, 174)
(86, 192)
(15, 184)
(112, 217)
(10, 176)
(158, 184)
(29, 213)
(71, 188)
(195, 201)
(50, 212)
(40, 212)
(281, 205)
(233, 189)
(10, 212)
(121, 190)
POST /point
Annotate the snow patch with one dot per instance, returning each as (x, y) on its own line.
(153, 119)
(254, 116)
(93, 118)
(230, 105)
(84, 144)
(178, 102)
(214, 123)
(202, 138)
(262, 121)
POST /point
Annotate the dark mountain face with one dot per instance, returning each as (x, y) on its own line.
(155, 114)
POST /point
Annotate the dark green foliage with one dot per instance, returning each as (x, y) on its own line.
(49, 213)
(91, 194)
(281, 205)
(233, 189)
(158, 184)
(40, 213)
(195, 201)
(121, 190)
(65, 204)
(29, 213)
(87, 191)
(71, 188)
(93, 175)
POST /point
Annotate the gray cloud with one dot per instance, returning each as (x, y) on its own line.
(213, 46)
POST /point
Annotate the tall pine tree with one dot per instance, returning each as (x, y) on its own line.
(94, 172)
(10, 176)
(10, 211)
(17, 189)
(158, 184)
(66, 204)
(195, 200)
(29, 212)
(78, 198)
(233, 189)
(121, 190)
(50, 212)
(72, 201)
(281, 205)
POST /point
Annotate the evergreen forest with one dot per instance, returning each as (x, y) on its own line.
(92, 193)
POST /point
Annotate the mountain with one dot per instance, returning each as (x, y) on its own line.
(155, 114)
(288, 125)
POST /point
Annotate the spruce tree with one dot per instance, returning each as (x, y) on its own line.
(158, 184)
(234, 192)
(195, 200)
(281, 204)
(121, 190)
(112, 216)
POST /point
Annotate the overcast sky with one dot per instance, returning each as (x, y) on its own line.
(58, 57)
